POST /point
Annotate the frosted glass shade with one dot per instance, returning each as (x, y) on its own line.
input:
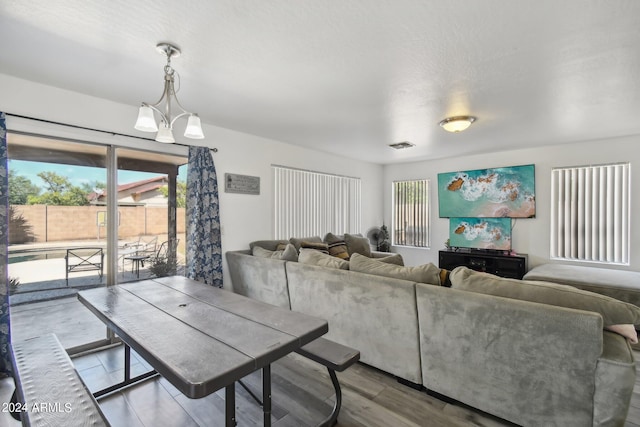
(194, 128)
(165, 134)
(457, 124)
(146, 122)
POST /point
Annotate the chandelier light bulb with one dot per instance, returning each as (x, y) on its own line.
(165, 134)
(194, 128)
(146, 122)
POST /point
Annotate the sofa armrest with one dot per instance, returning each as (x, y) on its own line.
(263, 279)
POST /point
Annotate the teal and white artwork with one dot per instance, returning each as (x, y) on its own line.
(480, 233)
(507, 192)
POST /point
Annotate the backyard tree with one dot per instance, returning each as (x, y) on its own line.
(20, 188)
(59, 191)
(181, 193)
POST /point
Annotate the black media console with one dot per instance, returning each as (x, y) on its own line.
(494, 262)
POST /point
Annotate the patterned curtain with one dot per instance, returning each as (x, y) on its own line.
(204, 246)
(5, 339)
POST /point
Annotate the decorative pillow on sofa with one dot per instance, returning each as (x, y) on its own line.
(427, 273)
(270, 245)
(337, 246)
(391, 259)
(295, 241)
(357, 244)
(313, 257)
(617, 316)
(320, 247)
(288, 254)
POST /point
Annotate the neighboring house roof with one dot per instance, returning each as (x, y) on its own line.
(133, 188)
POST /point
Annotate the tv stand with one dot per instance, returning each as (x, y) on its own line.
(511, 266)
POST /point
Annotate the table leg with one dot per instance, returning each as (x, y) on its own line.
(127, 363)
(230, 405)
(266, 395)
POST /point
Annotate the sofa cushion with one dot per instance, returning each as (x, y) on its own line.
(320, 247)
(337, 246)
(427, 273)
(271, 245)
(296, 241)
(391, 259)
(314, 257)
(288, 254)
(614, 313)
(357, 245)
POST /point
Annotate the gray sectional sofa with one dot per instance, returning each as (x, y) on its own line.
(531, 363)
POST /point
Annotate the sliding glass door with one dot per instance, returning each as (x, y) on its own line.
(57, 241)
(86, 215)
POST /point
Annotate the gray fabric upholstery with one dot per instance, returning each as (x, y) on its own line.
(615, 378)
(356, 244)
(313, 257)
(289, 253)
(297, 241)
(375, 315)
(613, 311)
(619, 284)
(263, 279)
(270, 245)
(529, 363)
(427, 273)
(390, 259)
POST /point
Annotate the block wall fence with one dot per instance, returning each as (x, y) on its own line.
(44, 223)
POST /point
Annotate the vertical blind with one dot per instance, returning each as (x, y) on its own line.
(590, 213)
(411, 213)
(312, 203)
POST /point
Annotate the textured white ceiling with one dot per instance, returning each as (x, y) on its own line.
(352, 76)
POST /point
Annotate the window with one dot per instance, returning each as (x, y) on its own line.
(411, 213)
(312, 203)
(590, 213)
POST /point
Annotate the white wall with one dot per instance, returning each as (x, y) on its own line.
(243, 217)
(530, 236)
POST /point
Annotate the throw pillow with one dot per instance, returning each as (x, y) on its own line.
(614, 312)
(271, 245)
(357, 245)
(444, 278)
(427, 273)
(391, 259)
(288, 254)
(337, 246)
(313, 257)
(295, 241)
(320, 247)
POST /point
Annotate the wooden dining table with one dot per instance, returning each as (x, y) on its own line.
(201, 338)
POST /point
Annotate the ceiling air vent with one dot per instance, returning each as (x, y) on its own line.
(401, 145)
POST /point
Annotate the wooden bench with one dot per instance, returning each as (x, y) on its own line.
(84, 259)
(49, 391)
(336, 357)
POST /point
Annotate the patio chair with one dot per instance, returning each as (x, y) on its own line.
(84, 259)
(138, 253)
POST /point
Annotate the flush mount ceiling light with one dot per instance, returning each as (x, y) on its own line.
(146, 120)
(457, 123)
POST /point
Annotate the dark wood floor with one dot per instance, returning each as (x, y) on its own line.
(302, 396)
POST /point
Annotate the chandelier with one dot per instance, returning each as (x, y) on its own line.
(146, 120)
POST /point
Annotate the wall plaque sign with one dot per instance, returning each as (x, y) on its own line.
(243, 184)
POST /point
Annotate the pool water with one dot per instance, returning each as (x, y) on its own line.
(33, 256)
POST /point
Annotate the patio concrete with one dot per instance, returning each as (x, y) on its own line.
(42, 280)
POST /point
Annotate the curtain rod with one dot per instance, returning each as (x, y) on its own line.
(215, 150)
